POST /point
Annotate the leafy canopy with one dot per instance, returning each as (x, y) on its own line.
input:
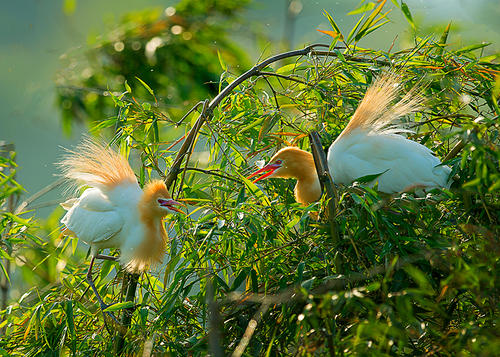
(248, 270)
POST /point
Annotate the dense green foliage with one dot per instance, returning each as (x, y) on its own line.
(175, 52)
(248, 269)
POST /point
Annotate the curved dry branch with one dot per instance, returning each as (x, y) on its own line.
(207, 112)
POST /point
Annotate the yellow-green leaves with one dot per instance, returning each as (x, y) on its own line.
(255, 191)
(221, 61)
(69, 7)
(407, 13)
(335, 33)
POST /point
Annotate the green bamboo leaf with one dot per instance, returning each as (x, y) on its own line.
(495, 186)
(255, 281)
(288, 68)
(420, 278)
(354, 29)
(444, 36)
(373, 28)
(362, 8)
(4, 272)
(253, 124)
(489, 59)
(156, 130)
(74, 244)
(120, 306)
(70, 322)
(239, 279)
(369, 21)
(3, 254)
(472, 47)
(146, 86)
(419, 47)
(334, 25)
(127, 87)
(17, 219)
(407, 13)
(300, 272)
(221, 61)
(369, 178)
(256, 191)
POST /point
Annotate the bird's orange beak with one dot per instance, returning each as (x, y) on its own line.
(267, 170)
(171, 205)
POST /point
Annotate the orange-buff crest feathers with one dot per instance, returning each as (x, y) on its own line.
(375, 113)
(96, 165)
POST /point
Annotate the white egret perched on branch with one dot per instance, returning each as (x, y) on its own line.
(113, 211)
(371, 144)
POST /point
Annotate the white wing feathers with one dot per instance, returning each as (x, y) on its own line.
(370, 143)
(404, 163)
(92, 218)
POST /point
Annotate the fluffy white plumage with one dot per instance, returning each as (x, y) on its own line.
(371, 144)
(403, 164)
(114, 212)
(108, 219)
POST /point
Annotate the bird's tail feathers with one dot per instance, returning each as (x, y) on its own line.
(96, 165)
(375, 112)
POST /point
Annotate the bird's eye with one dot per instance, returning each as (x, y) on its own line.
(162, 201)
(278, 162)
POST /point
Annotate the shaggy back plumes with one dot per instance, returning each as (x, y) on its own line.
(95, 165)
(375, 113)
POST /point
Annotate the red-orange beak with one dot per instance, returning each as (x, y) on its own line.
(268, 170)
(171, 204)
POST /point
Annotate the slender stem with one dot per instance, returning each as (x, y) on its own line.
(325, 180)
(191, 146)
(189, 112)
(39, 194)
(186, 145)
(288, 78)
(353, 58)
(127, 315)
(215, 322)
(249, 331)
(5, 151)
(212, 172)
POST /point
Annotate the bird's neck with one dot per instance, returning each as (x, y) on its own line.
(308, 188)
(153, 244)
(154, 234)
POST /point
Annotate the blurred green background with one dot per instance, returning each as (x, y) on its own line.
(37, 38)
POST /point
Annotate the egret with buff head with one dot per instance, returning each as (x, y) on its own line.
(371, 144)
(113, 211)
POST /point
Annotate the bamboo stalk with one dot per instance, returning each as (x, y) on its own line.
(214, 321)
(132, 280)
(5, 151)
(325, 180)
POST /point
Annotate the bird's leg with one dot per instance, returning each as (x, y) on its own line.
(92, 285)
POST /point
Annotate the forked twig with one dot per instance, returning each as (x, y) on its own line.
(208, 109)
